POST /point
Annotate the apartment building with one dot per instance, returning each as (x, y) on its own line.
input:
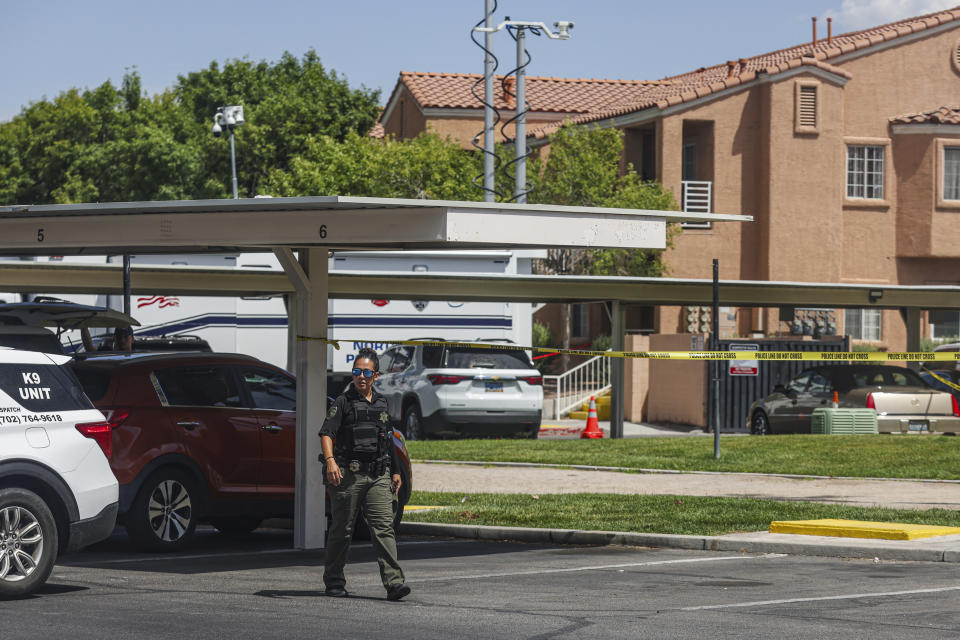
(845, 149)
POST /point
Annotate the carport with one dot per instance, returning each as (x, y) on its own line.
(312, 226)
(37, 277)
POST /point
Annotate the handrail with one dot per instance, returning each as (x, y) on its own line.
(573, 387)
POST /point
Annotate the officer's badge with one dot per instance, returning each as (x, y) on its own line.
(383, 416)
(332, 412)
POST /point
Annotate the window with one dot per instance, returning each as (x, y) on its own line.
(944, 324)
(270, 390)
(580, 321)
(951, 173)
(401, 359)
(865, 171)
(198, 387)
(862, 324)
(819, 384)
(799, 384)
(689, 168)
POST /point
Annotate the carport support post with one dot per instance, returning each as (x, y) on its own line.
(309, 278)
(913, 319)
(617, 342)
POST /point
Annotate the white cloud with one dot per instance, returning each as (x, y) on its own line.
(861, 14)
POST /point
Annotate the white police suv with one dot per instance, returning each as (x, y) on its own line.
(57, 493)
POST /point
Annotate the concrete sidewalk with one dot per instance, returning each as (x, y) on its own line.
(898, 494)
(554, 429)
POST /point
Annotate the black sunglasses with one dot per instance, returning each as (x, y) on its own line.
(366, 373)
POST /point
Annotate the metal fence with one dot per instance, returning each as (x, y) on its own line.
(737, 393)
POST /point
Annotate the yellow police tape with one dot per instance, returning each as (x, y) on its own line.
(944, 380)
(854, 356)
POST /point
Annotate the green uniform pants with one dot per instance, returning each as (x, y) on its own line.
(374, 494)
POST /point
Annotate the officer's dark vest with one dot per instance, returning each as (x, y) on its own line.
(367, 440)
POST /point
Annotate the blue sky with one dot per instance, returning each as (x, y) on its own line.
(53, 45)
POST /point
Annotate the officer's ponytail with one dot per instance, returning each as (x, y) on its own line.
(370, 355)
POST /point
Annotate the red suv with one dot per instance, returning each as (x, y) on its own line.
(196, 436)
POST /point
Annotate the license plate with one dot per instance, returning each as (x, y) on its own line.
(490, 385)
(918, 425)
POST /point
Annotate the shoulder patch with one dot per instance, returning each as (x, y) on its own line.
(384, 417)
(332, 412)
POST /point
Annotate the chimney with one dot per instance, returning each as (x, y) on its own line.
(731, 68)
(510, 91)
(829, 30)
(742, 66)
(814, 30)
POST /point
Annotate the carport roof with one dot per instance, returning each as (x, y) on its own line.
(340, 222)
(66, 278)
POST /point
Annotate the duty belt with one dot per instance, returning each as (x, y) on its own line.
(356, 466)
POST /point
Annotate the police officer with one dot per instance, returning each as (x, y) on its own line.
(362, 468)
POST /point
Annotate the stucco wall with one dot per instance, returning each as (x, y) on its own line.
(678, 388)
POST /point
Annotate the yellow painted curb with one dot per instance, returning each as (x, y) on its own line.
(861, 529)
(419, 507)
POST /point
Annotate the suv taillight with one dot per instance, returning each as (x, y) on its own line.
(533, 380)
(437, 378)
(870, 403)
(99, 431)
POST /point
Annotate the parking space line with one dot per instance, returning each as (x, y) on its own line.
(204, 556)
(599, 567)
(851, 596)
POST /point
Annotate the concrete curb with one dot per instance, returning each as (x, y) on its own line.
(585, 467)
(701, 543)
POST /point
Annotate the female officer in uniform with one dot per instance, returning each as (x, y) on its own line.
(362, 468)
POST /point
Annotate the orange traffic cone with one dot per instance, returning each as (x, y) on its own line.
(593, 425)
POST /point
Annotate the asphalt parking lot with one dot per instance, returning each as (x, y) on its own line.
(256, 586)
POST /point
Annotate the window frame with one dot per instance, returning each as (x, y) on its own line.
(865, 173)
(942, 145)
(862, 324)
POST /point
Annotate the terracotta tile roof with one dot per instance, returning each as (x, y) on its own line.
(704, 81)
(377, 131)
(943, 115)
(545, 95)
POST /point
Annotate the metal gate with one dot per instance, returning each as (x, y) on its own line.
(737, 393)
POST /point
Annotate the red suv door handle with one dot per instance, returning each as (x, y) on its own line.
(272, 428)
(189, 425)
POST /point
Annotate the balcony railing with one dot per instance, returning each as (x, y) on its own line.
(697, 197)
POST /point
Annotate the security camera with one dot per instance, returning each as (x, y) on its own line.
(217, 130)
(563, 28)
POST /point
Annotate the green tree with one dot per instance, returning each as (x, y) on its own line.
(583, 168)
(424, 167)
(116, 144)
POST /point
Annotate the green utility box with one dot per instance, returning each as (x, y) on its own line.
(843, 421)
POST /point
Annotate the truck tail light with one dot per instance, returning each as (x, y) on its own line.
(99, 431)
(870, 403)
(956, 407)
(533, 380)
(437, 378)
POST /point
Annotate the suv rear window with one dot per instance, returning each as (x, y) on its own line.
(93, 381)
(478, 358)
(42, 387)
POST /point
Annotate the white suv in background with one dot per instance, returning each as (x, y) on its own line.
(57, 492)
(462, 390)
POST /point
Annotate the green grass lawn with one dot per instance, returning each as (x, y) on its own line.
(652, 514)
(890, 456)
